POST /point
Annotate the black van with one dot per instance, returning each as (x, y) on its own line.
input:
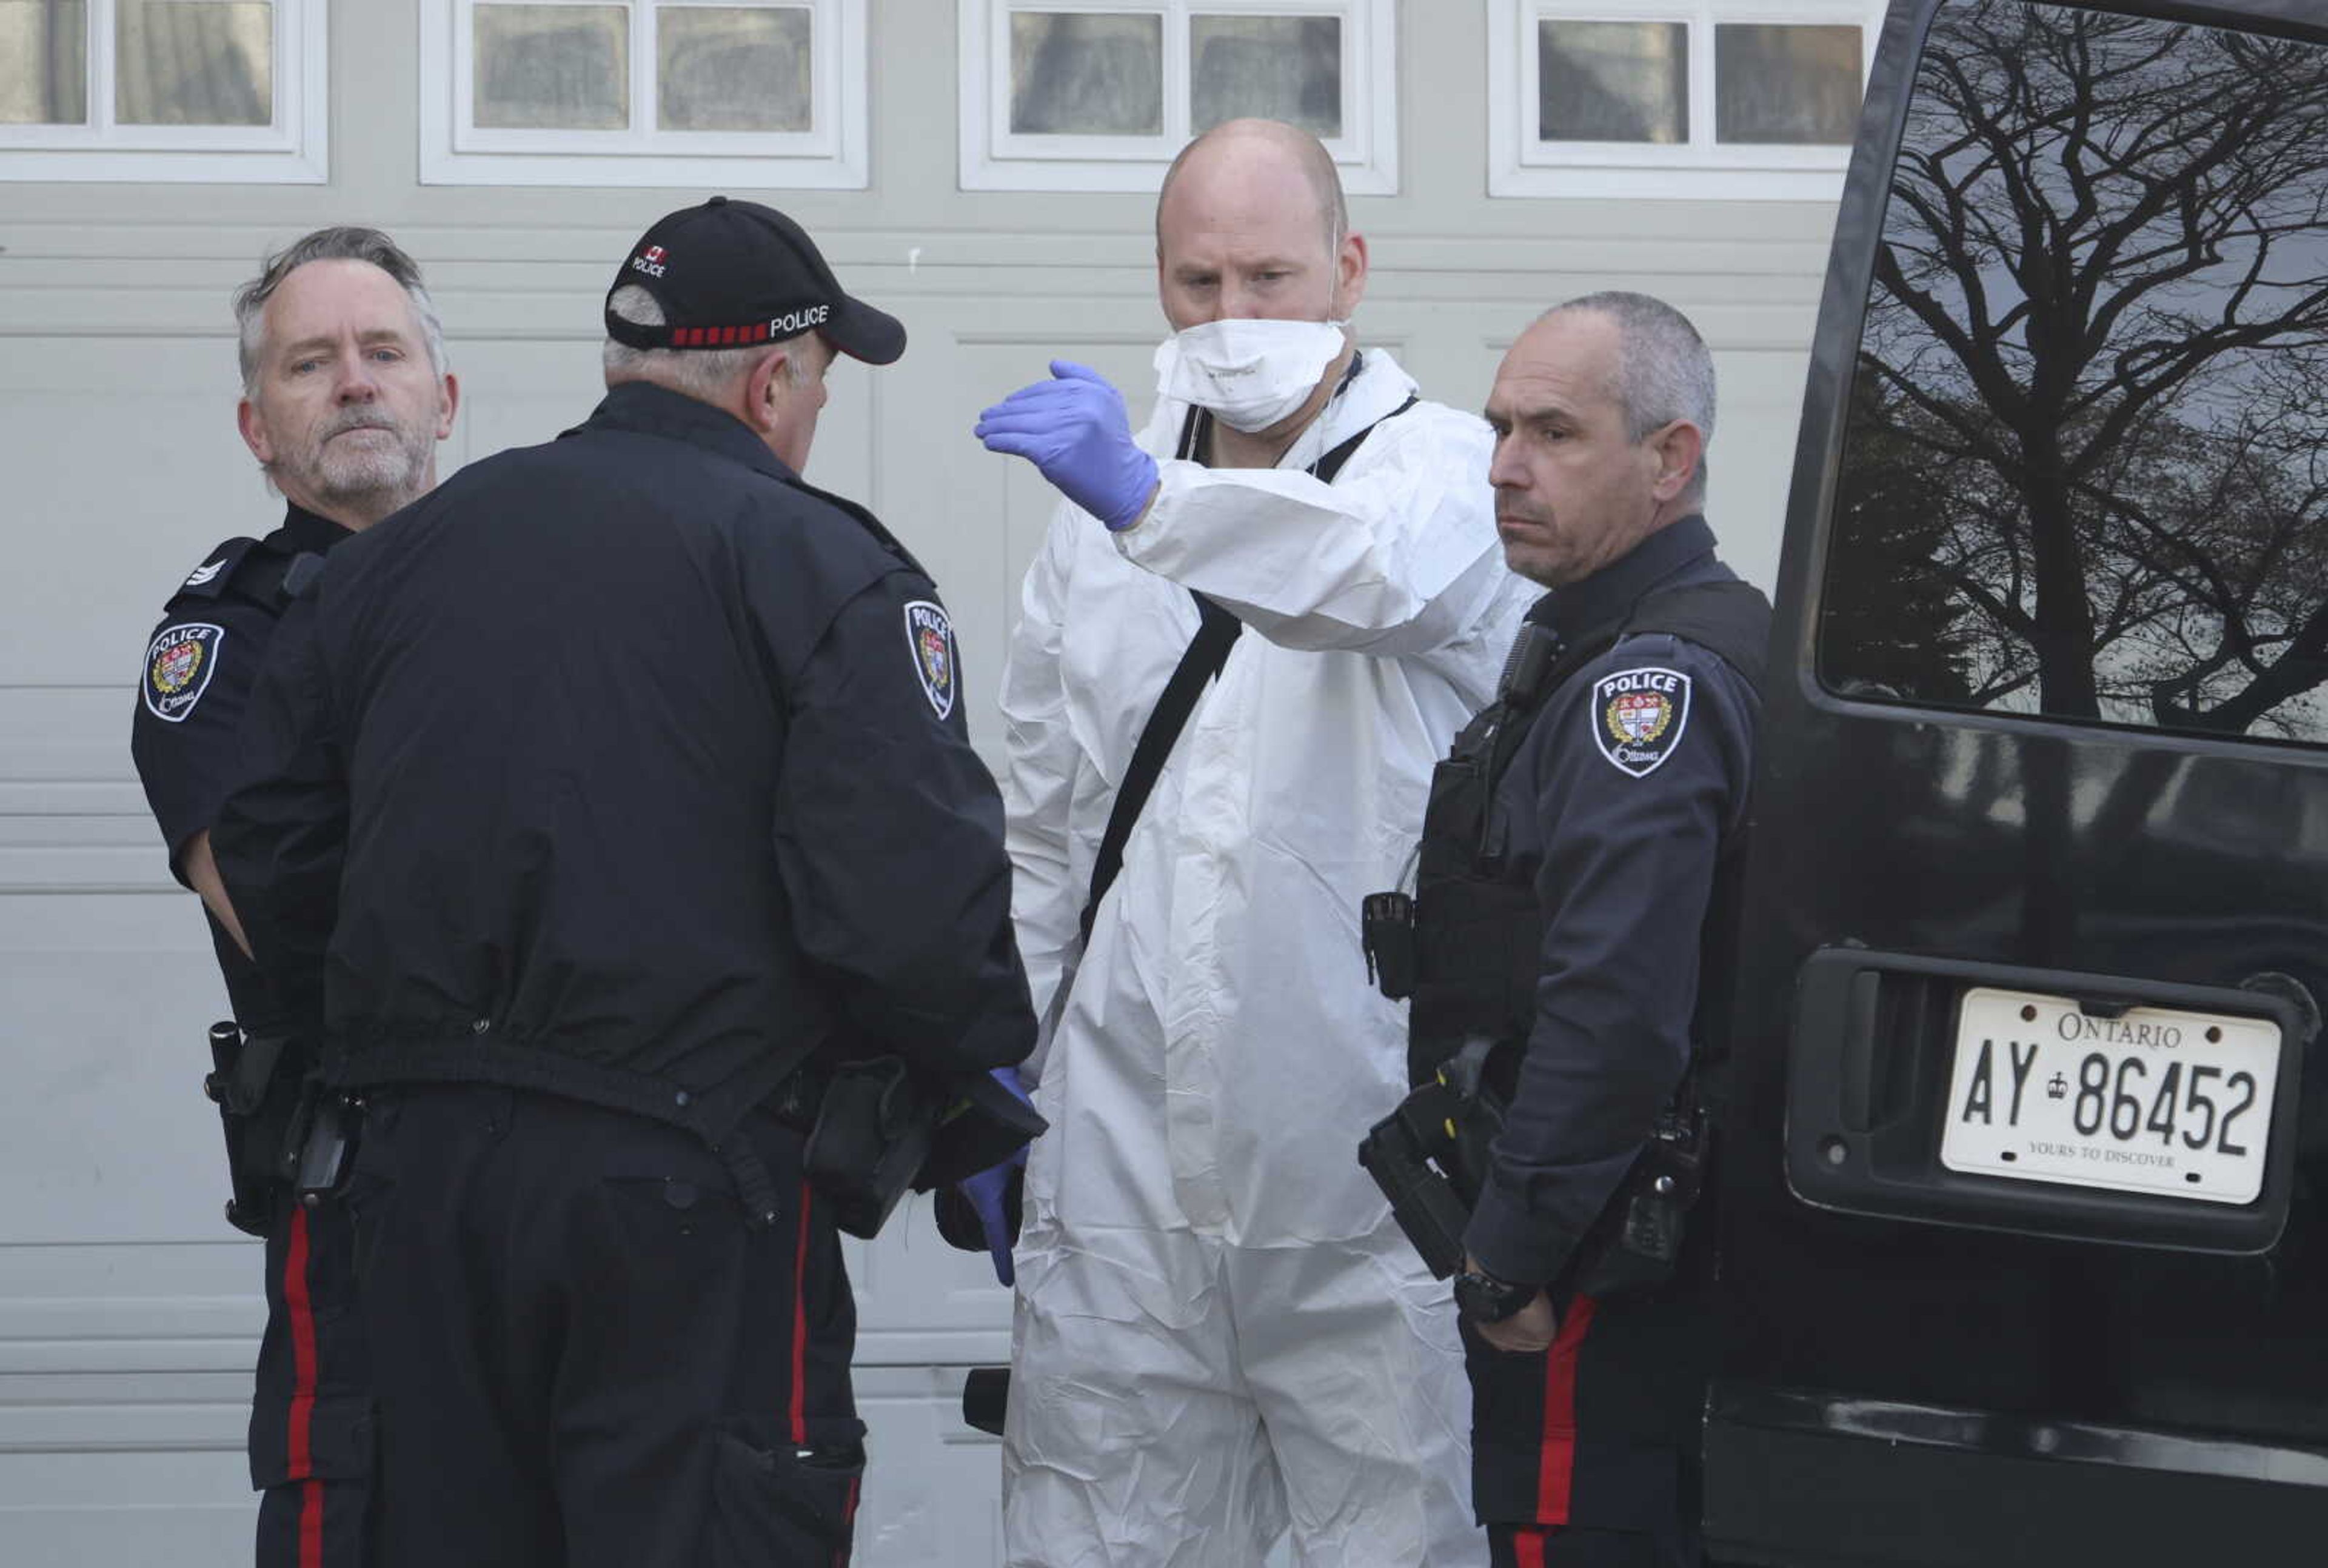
(2025, 1257)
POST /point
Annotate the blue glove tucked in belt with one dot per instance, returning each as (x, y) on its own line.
(991, 1198)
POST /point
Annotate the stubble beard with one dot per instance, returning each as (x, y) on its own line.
(1542, 556)
(378, 475)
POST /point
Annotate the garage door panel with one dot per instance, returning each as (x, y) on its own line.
(141, 473)
(110, 1135)
(919, 1299)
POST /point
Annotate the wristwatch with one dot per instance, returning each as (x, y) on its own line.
(1485, 1299)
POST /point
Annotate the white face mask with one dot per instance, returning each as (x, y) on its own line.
(1250, 373)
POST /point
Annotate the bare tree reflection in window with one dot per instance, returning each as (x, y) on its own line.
(552, 68)
(194, 62)
(43, 62)
(1612, 82)
(1781, 84)
(1086, 73)
(725, 68)
(2095, 372)
(1280, 68)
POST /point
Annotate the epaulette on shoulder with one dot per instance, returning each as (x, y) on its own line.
(1732, 619)
(210, 580)
(865, 519)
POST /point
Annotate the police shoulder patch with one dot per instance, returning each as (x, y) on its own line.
(929, 636)
(178, 668)
(1639, 716)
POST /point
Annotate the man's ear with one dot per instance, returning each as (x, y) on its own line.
(448, 403)
(1678, 447)
(253, 426)
(1349, 276)
(764, 389)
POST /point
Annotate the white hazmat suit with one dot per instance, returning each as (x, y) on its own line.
(1219, 1329)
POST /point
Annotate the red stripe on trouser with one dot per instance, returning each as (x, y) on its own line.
(302, 1310)
(1556, 1461)
(800, 1325)
(848, 1524)
(1527, 1548)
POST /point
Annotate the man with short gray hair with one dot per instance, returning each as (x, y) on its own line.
(1575, 905)
(345, 394)
(343, 414)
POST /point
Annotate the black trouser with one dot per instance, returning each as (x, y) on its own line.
(586, 1358)
(1586, 1455)
(311, 1409)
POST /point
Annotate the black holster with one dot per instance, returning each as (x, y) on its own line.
(1430, 1155)
(257, 1082)
(872, 1132)
(1397, 1153)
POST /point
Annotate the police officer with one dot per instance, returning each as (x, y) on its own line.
(614, 820)
(1596, 814)
(345, 394)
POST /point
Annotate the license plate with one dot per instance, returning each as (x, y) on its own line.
(2155, 1100)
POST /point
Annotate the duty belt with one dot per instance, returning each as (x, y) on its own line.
(715, 1116)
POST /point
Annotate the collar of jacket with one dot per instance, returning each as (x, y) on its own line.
(304, 530)
(1379, 386)
(1577, 607)
(646, 410)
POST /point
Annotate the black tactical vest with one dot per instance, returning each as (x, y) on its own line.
(1472, 959)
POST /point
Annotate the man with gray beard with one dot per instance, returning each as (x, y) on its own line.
(345, 394)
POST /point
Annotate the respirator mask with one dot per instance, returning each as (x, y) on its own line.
(1250, 374)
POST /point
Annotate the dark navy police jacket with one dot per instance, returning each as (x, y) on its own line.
(199, 668)
(629, 751)
(1624, 803)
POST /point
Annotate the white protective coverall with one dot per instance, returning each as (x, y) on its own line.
(1218, 1324)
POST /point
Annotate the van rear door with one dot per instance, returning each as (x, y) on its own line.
(2024, 1251)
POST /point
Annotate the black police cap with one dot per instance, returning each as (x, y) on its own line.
(732, 274)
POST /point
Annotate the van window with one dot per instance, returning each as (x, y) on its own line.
(2085, 470)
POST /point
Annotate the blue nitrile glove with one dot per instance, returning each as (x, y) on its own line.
(1074, 429)
(994, 1193)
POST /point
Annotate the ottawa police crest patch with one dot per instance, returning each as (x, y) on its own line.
(178, 669)
(1639, 716)
(930, 635)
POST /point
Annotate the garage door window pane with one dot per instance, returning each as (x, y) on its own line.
(1612, 82)
(194, 62)
(728, 68)
(553, 67)
(1083, 73)
(1786, 85)
(1281, 68)
(43, 62)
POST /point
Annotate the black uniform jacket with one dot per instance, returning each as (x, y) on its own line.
(631, 750)
(1624, 803)
(199, 668)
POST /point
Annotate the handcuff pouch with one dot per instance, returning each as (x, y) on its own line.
(871, 1134)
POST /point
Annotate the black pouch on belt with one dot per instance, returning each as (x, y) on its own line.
(318, 1163)
(872, 1131)
(1636, 1244)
